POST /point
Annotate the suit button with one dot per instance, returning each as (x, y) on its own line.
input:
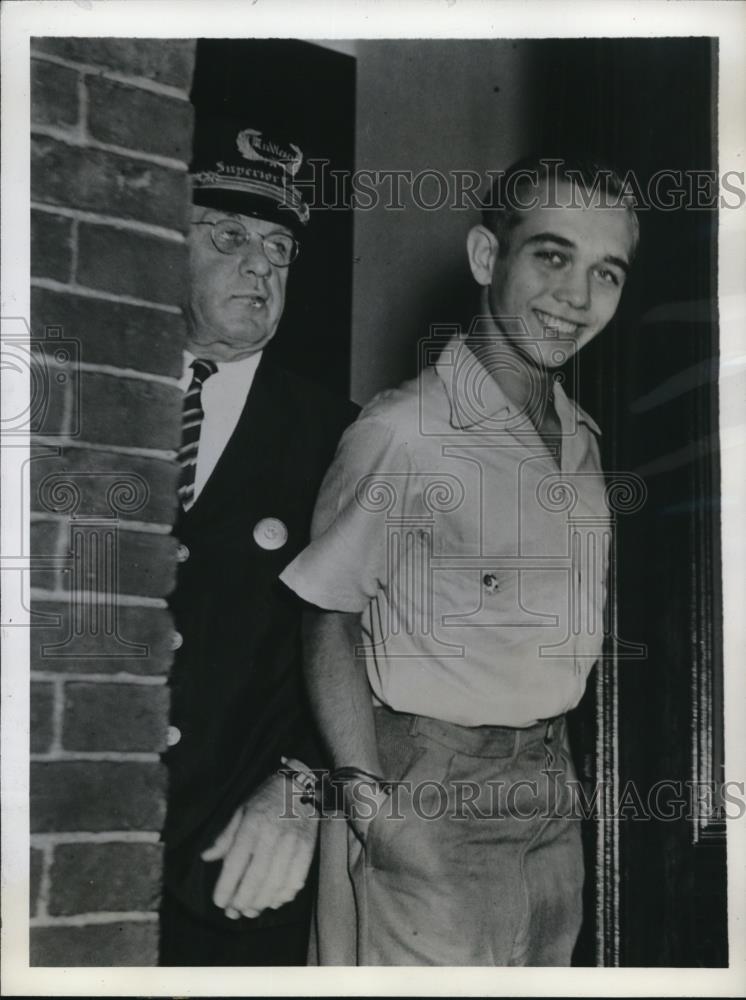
(490, 582)
(182, 553)
(173, 736)
(177, 640)
(270, 533)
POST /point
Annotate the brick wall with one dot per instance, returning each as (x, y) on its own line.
(111, 134)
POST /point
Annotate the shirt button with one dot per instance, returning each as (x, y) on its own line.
(182, 553)
(177, 640)
(270, 533)
(173, 736)
(490, 582)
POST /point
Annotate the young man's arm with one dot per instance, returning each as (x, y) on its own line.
(338, 688)
(341, 572)
(342, 704)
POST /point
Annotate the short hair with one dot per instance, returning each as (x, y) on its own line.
(506, 198)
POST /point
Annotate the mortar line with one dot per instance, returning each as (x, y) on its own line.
(45, 881)
(42, 840)
(70, 138)
(122, 600)
(135, 225)
(123, 524)
(82, 105)
(122, 677)
(58, 711)
(116, 449)
(87, 919)
(92, 293)
(97, 756)
(141, 82)
(73, 251)
(87, 366)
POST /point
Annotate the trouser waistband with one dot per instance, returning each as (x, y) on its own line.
(478, 741)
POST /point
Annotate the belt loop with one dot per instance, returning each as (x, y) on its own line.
(550, 729)
(413, 720)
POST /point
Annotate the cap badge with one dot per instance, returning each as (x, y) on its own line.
(252, 146)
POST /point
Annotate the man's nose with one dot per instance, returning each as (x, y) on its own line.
(574, 288)
(253, 258)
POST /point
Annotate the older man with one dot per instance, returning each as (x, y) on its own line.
(460, 539)
(256, 442)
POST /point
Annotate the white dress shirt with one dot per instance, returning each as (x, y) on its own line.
(223, 399)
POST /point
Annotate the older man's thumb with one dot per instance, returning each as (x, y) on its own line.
(220, 847)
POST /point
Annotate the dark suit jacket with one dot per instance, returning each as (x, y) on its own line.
(237, 689)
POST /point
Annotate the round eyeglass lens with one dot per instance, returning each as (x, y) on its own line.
(228, 235)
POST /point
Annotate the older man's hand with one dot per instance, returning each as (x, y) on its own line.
(267, 848)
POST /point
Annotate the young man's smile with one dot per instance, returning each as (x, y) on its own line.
(560, 271)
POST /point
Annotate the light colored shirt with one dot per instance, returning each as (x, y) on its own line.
(224, 396)
(478, 565)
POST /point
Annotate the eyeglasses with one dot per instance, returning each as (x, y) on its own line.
(229, 235)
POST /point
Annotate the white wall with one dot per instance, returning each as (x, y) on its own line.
(424, 105)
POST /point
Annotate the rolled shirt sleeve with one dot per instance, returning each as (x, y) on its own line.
(345, 564)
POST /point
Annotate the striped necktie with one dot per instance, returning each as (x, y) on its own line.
(191, 425)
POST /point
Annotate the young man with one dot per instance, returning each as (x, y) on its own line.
(460, 539)
(256, 443)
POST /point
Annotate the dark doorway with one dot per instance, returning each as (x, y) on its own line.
(648, 733)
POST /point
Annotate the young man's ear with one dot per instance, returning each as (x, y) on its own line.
(481, 246)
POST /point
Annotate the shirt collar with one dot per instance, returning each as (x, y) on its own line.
(229, 370)
(565, 405)
(476, 398)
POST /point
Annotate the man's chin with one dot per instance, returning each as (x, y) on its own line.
(230, 349)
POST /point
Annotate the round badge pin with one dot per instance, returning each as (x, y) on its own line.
(270, 533)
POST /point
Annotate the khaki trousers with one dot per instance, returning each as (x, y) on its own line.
(485, 866)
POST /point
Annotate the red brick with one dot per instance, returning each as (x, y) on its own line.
(46, 566)
(108, 561)
(96, 796)
(129, 263)
(126, 943)
(51, 246)
(54, 94)
(127, 717)
(127, 411)
(139, 119)
(111, 333)
(99, 181)
(70, 637)
(42, 707)
(120, 878)
(128, 486)
(163, 61)
(36, 865)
